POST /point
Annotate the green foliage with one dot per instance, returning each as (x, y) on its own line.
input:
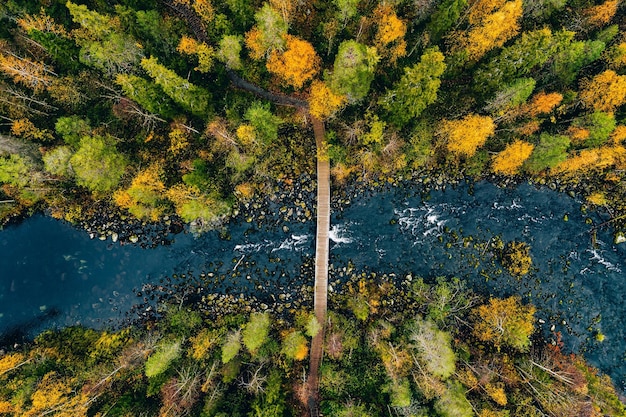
(453, 402)
(353, 70)
(568, 62)
(183, 321)
(511, 95)
(432, 347)
(294, 345)
(446, 15)
(400, 393)
(147, 94)
(529, 52)
(272, 403)
(600, 126)
(199, 176)
(97, 164)
(542, 9)
(160, 361)
(14, 170)
(56, 161)
(549, 152)
(347, 9)
(256, 331)
(230, 51)
(98, 25)
(72, 129)
(264, 122)
(189, 96)
(60, 48)
(416, 89)
(231, 346)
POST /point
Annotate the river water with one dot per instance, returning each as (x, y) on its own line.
(53, 275)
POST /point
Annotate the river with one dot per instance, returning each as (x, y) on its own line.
(53, 275)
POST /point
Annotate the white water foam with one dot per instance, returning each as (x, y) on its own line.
(339, 234)
(296, 242)
(596, 256)
(425, 221)
(249, 247)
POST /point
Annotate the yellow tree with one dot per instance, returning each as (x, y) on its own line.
(509, 161)
(204, 52)
(323, 103)
(389, 40)
(479, 9)
(463, 137)
(504, 323)
(604, 92)
(492, 32)
(34, 75)
(601, 14)
(145, 197)
(297, 64)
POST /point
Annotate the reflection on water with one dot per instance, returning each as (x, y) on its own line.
(578, 288)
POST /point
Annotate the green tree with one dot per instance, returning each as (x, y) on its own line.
(453, 402)
(256, 332)
(189, 96)
(510, 96)
(72, 129)
(97, 164)
(353, 70)
(416, 89)
(57, 160)
(264, 122)
(599, 124)
(14, 170)
(432, 347)
(147, 94)
(230, 51)
(549, 152)
(446, 15)
(570, 60)
(160, 361)
(231, 346)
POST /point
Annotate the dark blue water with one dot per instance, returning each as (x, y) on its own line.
(54, 275)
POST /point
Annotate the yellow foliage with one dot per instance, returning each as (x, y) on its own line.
(202, 344)
(205, 10)
(512, 157)
(605, 92)
(390, 28)
(26, 129)
(479, 9)
(32, 74)
(297, 64)
(466, 135)
(491, 413)
(143, 195)
(467, 378)
(617, 56)
(505, 321)
(591, 159)
(301, 352)
(543, 103)
(41, 22)
(179, 140)
(516, 258)
(55, 394)
(323, 103)
(245, 190)
(494, 30)
(6, 407)
(10, 361)
(496, 393)
(341, 172)
(597, 198)
(254, 42)
(286, 8)
(246, 134)
(204, 52)
(182, 193)
(619, 135)
(601, 14)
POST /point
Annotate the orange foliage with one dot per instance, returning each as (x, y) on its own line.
(505, 322)
(543, 103)
(323, 103)
(42, 23)
(494, 30)
(617, 56)
(591, 159)
(245, 191)
(33, 75)
(302, 352)
(254, 42)
(512, 157)
(297, 64)
(466, 135)
(389, 38)
(601, 14)
(619, 134)
(605, 92)
(26, 129)
(10, 361)
(578, 134)
(529, 128)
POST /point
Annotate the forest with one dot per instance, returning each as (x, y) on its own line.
(439, 350)
(146, 110)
